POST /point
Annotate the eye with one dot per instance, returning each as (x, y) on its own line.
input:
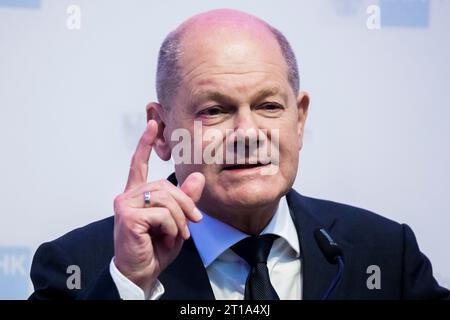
(271, 107)
(211, 111)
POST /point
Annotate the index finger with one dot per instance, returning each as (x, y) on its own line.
(139, 162)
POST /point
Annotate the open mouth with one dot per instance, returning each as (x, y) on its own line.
(244, 166)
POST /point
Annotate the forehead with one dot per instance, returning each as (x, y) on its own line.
(237, 57)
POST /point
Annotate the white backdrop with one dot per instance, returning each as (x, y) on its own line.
(73, 102)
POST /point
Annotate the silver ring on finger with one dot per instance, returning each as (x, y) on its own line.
(147, 199)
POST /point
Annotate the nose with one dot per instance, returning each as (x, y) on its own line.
(245, 121)
(246, 136)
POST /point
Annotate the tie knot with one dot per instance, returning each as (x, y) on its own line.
(255, 249)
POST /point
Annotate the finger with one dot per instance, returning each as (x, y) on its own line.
(193, 185)
(162, 198)
(183, 200)
(139, 163)
(160, 222)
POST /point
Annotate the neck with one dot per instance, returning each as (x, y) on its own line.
(250, 220)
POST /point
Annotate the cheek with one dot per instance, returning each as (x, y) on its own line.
(289, 158)
(289, 143)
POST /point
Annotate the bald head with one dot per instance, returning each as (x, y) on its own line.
(200, 32)
(223, 20)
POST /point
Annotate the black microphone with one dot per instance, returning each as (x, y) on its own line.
(333, 254)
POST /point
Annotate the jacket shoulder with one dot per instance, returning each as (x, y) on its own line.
(353, 222)
(97, 231)
(90, 249)
(93, 242)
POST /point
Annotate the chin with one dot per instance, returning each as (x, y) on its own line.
(253, 193)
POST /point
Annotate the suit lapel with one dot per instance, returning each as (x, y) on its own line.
(186, 277)
(317, 273)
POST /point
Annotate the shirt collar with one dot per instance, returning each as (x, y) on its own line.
(212, 237)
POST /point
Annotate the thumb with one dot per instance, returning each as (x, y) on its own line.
(193, 185)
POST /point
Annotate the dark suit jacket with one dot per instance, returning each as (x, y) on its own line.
(365, 238)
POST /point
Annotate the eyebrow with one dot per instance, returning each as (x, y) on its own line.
(218, 96)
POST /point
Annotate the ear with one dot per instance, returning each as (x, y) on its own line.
(161, 144)
(302, 106)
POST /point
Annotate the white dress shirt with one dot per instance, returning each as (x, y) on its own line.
(227, 272)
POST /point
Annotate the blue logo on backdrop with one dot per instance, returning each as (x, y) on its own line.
(21, 3)
(14, 272)
(405, 13)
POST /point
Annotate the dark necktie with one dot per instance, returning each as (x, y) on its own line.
(255, 250)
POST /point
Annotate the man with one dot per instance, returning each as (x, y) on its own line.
(229, 231)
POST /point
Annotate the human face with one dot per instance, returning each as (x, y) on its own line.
(238, 80)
